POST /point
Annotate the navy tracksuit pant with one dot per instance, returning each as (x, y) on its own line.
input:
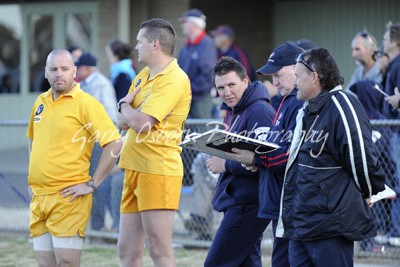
(238, 240)
(328, 252)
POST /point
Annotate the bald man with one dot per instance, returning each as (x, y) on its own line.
(64, 124)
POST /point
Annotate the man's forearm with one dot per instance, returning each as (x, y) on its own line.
(138, 121)
(121, 123)
(107, 161)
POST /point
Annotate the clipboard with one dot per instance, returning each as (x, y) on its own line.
(376, 87)
(217, 142)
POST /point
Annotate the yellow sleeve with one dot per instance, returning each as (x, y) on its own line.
(29, 131)
(100, 123)
(167, 94)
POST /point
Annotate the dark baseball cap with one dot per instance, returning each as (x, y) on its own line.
(304, 43)
(223, 29)
(283, 55)
(86, 59)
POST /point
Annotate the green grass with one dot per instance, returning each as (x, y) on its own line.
(16, 250)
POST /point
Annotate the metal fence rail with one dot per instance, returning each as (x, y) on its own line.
(196, 221)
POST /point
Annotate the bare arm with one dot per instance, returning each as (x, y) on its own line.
(29, 157)
(138, 121)
(106, 163)
(134, 118)
(121, 123)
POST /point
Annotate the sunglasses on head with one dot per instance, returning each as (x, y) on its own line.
(367, 36)
(300, 59)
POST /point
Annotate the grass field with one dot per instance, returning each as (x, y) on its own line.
(16, 250)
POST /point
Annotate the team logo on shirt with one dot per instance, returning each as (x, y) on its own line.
(138, 82)
(278, 120)
(195, 55)
(39, 109)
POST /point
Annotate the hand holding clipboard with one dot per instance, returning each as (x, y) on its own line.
(394, 99)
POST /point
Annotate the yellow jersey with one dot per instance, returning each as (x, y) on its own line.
(166, 97)
(63, 133)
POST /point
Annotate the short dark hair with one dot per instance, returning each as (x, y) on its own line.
(161, 30)
(120, 49)
(325, 65)
(228, 64)
(394, 32)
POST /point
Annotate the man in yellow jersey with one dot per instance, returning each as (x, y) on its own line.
(64, 124)
(154, 111)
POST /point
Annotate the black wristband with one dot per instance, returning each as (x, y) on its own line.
(119, 105)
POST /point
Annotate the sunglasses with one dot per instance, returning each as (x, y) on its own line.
(368, 37)
(301, 59)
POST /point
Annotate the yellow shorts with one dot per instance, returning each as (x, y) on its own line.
(55, 214)
(146, 191)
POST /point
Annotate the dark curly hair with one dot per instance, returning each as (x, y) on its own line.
(325, 65)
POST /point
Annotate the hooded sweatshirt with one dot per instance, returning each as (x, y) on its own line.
(237, 185)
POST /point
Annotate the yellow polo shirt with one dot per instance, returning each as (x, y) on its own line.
(167, 98)
(63, 133)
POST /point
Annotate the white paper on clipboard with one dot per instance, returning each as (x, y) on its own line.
(217, 142)
(387, 193)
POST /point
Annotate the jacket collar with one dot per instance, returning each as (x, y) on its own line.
(317, 103)
(197, 40)
(294, 92)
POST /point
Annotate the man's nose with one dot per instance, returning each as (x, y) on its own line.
(354, 54)
(59, 72)
(227, 92)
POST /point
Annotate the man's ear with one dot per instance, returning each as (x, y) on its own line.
(315, 77)
(156, 43)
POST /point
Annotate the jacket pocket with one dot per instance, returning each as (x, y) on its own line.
(222, 199)
(325, 195)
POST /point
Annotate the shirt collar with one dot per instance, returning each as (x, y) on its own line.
(172, 65)
(90, 77)
(197, 40)
(72, 93)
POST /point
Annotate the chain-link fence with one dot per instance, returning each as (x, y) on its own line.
(196, 221)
